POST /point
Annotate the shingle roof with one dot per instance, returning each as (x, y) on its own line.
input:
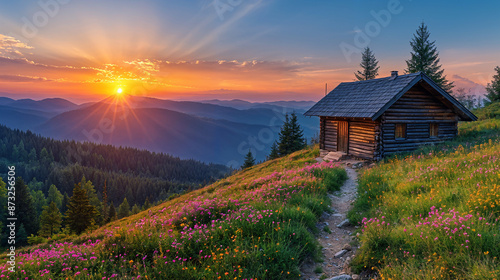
(370, 99)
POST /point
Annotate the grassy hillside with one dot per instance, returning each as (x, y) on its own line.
(434, 214)
(257, 224)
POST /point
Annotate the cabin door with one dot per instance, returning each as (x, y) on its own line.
(343, 136)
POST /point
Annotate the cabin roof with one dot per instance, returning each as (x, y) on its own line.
(371, 98)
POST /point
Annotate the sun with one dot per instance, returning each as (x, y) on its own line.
(119, 91)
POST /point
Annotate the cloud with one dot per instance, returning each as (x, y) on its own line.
(10, 47)
(474, 88)
(22, 79)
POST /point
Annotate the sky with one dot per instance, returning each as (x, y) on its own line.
(230, 49)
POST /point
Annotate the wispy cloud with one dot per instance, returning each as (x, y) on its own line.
(22, 79)
(11, 47)
(474, 88)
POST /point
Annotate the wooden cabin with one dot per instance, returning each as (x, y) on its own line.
(375, 118)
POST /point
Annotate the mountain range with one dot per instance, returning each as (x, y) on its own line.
(219, 131)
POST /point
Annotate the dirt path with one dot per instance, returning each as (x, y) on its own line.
(339, 238)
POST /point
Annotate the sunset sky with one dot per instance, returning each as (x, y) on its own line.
(248, 49)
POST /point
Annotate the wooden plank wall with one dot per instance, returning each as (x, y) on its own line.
(362, 136)
(417, 108)
(330, 135)
(362, 139)
(322, 133)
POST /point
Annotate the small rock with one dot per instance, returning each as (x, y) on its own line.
(341, 277)
(340, 253)
(326, 223)
(355, 277)
(343, 223)
(328, 244)
(327, 237)
(347, 247)
(337, 215)
(346, 267)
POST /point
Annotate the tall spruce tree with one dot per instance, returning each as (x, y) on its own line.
(291, 136)
(136, 209)
(105, 207)
(22, 235)
(65, 202)
(112, 213)
(93, 199)
(285, 138)
(249, 160)
(81, 213)
(50, 220)
(425, 58)
(369, 65)
(124, 209)
(297, 140)
(55, 196)
(274, 151)
(493, 88)
(147, 204)
(25, 208)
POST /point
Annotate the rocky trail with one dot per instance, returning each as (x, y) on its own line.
(337, 243)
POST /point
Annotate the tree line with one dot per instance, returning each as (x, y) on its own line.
(62, 215)
(118, 181)
(129, 172)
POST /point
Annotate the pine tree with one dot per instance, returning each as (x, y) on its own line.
(136, 209)
(39, 201)
(369, 65)
(298, 142)
(22, 236)
(81, 213)
(25, 208)
(65, 202)
(124, 209)
(493, 88)
(249, 160)
(112, 213)
(291, 136)
(50, 220)
(105, 208)
(93, 199)
(274, 151)
(147, 204)
(285, 138)
(424, 58)
(55, 196)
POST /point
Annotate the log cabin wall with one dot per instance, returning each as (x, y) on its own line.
(329, 134)
(417, 108)
(362, 138)
(363, 135)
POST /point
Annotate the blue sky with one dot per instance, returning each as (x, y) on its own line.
(250, 48)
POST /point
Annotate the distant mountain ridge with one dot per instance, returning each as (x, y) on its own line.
(57, 105)
(242, 104)
(202, 131)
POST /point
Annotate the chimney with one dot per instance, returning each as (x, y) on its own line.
(394, 74)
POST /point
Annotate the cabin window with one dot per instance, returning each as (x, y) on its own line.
(400, 131)
(434, 130)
